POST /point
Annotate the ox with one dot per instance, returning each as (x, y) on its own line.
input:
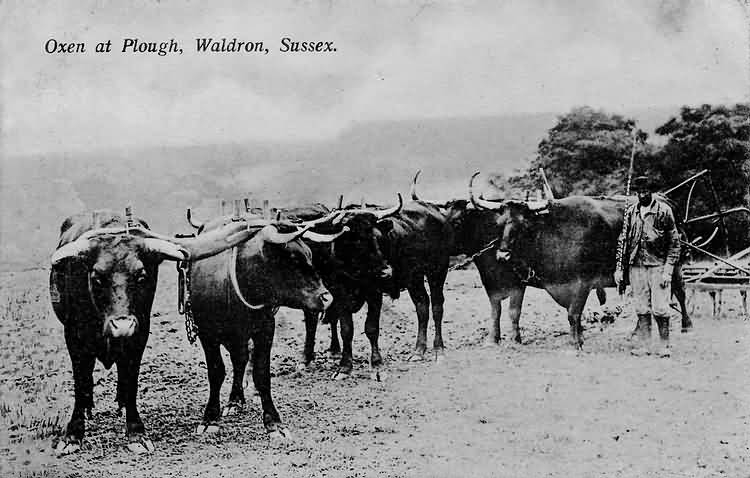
(234, 297)
(102, 285)
(564, 246)
(417, 243)
(353, 269)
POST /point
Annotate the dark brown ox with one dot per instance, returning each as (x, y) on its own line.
(102, 285)
(353, 268)
(417, 243)
(566, 247)
(234, 299)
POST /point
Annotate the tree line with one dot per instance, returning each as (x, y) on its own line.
(588, 152)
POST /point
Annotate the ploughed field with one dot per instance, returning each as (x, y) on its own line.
(537, 409)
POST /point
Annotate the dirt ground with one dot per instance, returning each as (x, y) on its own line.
(534, 410)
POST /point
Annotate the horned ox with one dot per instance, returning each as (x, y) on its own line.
(564, 246)
(102, 285)
(234, 298)
(353, 268)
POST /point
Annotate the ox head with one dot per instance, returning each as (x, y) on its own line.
(360, 248)
(272, 264)
(121, 273)
(276, 266)
(514, 218)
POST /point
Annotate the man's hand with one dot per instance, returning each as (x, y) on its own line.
(618, 276)
(666, 276)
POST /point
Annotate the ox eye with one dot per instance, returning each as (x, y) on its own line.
(141, 277)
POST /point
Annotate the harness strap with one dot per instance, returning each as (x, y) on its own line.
(233, 279)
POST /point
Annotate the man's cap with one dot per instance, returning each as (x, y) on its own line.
(644, 183)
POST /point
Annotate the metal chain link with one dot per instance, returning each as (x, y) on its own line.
(184, 305)
(464, 262)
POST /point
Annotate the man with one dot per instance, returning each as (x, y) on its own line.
(647, 250)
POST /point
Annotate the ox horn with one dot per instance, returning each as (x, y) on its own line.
(391, 211)
(72, 249)
(316, 237)
(167, 249)
(413, 190)
(478, 202)
(333, 217)
(191, 221)
(272, 235)
(82, 244)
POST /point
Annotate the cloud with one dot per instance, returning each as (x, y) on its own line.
(399, 60)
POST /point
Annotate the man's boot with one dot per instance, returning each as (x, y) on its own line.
(664, 349)
(643, 333)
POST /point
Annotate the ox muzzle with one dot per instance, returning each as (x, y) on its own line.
(120, 327)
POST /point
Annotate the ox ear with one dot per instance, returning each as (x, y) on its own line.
(79, 249)
(166, 250)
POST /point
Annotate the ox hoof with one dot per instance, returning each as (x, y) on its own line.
(416, 357)
(439, 355)
(67, 446)
(206, 429)
(140, 445)
(490, 343)
(231, 409)
(333, 355)
(378, 375)
(341, 374)
(280, 433)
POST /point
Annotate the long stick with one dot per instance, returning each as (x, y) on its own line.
(632, 158)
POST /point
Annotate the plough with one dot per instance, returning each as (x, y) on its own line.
(732, 273)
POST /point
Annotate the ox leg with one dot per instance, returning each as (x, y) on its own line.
(311, 328)
(421, 300)
(83, 383)
(263, 340)
(436, 282)
(347, 336)
(127, 372)
(496, 310)
(678, 289)
(514, 311)
(216, 374)
(372, 330)
(238, 354)
(575, 309)
(335, 348)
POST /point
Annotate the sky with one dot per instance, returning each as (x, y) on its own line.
(394, 60)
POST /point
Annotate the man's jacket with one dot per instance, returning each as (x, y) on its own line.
(659, 236)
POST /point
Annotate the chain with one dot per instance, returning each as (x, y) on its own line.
(464, 262)
(183, 299)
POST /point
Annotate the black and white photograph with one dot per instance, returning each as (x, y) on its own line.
(375, 238)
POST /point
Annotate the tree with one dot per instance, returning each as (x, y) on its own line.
(588, 152)
(716, 138)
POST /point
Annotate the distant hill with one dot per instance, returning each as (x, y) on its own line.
(373, 160)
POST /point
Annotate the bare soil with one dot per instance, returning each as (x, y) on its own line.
(537, 409)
